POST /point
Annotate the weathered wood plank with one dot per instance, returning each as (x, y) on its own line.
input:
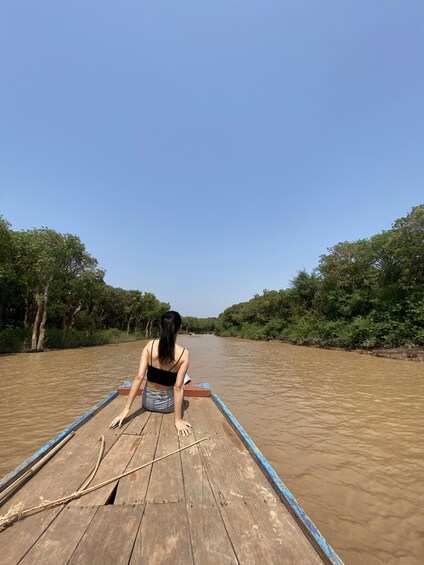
(59, 541)
(163, 537)
(64, 474)
(166, 481)
(18, 539)
(210, 541)
(259, 525)
(110, 536)
(168, 425)
(116, 462)
(137, 421)
(211, 544)
(155, 424)
(196, 482)
(132, 489)
(200, 426)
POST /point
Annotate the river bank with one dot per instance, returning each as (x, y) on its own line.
(401, 353)
(19, 340)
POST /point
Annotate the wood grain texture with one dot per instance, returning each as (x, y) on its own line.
(164, 536)
(19, 538)
(210, 541)
(116, 462)
(137, 421)
(132, 489)
(59, 541)
(260, 527)
(110, 537)
(166, 481)
(209, 538)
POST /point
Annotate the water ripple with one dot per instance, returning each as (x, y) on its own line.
(343, 430)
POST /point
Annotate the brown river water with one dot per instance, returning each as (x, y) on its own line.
(344, 431)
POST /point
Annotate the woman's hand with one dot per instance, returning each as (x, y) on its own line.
(183, 428)
(119, 419)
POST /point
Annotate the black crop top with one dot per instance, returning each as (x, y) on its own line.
(162, 376)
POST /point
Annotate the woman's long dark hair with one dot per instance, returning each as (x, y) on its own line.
(170, 323)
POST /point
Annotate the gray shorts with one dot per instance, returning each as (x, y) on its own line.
(158, 400)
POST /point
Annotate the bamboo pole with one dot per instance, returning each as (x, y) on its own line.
(8, 490)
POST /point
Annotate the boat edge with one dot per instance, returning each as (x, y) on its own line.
(18, 471)
(325, 551)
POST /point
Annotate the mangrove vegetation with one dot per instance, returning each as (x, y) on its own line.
(363, 294)
(366, 294)
(53, 294)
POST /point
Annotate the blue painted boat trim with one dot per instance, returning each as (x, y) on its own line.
(308, 527)
(126, 384)
(13, 475)
(205, 386)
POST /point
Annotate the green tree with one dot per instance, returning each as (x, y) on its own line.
(51, 261)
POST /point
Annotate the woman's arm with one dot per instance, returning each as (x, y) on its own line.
(182, 426)
(134, 389)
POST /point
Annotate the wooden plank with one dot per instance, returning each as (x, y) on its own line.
(116, 462)
(166, 481)
(138, 421)
(196, 482)
(210, 541)
(110, 536)
(211, 544)
(64, 474)
(200, 426)
(18, 539)
(260, 527)
(155, 424)
(168, 426)
(163, 536)
(259, 539)
(59, 541)
(132, 489)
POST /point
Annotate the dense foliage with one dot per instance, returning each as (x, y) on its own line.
(198, 325)
(363, 294)
(53, 294)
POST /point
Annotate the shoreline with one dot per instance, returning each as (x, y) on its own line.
(400, 353)
(403, 353)
(96, 341)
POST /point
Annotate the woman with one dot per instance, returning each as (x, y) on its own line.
(166, 363)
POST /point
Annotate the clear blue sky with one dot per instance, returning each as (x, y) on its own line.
(206, 150)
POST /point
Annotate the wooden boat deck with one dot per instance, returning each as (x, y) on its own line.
(209, 504)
